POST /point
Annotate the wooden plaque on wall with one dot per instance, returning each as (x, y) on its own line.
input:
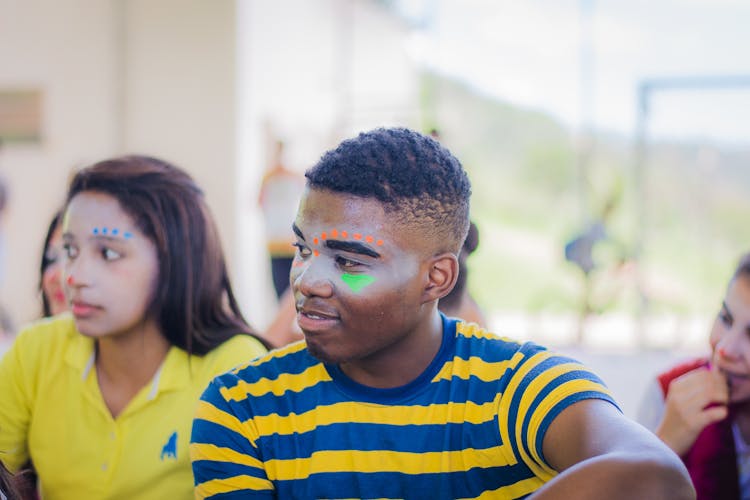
(20, 115)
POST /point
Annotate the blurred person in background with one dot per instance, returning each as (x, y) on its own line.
(6, 323)
(278, 198)
(51, 268)
(701, 407)
(459, 303)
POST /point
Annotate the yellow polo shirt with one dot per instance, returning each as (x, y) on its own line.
(51, 409)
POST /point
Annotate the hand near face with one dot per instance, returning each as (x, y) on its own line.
(687, 410)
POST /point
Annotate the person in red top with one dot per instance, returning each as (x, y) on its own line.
(701, 408)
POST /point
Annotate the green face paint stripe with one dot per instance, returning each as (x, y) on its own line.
(357, 281)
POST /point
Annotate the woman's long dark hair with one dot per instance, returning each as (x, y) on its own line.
(193, 302)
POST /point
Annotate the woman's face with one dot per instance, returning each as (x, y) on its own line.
(111, 268)
(52, 286)
(730, 339)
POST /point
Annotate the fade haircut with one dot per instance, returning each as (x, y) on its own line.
(418, 181)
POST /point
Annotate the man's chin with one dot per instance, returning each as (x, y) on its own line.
(322, 355)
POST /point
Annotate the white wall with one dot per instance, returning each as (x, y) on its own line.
(118, 76)
(46, 45)
(181, 97)
(195, 82)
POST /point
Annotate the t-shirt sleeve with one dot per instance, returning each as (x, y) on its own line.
(17, 375)
(223, 451)
(540, 386)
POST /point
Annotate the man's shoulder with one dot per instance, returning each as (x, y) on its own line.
(290, 360)
(471, 338)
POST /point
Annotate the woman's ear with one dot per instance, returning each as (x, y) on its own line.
(442, 274)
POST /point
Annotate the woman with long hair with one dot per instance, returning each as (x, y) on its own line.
(102, 400)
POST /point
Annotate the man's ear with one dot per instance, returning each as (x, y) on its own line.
(441, 276)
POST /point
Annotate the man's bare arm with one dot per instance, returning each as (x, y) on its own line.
(601, 454)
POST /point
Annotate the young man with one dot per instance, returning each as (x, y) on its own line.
(386, 397)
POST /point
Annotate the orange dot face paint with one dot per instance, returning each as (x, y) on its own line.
(335, 234)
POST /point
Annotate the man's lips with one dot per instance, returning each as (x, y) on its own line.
(312, 319)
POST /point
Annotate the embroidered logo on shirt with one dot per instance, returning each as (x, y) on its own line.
(169, 450)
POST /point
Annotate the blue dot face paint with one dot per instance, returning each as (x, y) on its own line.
(114, 232)
(357, 281)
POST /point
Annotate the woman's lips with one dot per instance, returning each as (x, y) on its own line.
(82, 309)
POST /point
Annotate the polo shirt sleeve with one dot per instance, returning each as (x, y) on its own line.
(18, 372)
(541, 386)
(223, 450)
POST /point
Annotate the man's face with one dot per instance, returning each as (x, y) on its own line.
(358, 279)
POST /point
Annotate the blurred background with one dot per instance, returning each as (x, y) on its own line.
(607, 142)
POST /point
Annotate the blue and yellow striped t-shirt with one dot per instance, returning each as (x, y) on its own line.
(471, 426)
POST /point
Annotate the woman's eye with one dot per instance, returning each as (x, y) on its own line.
(110, 254)
(70, 251)
(725, 318)
(51, 255)
(303, 250)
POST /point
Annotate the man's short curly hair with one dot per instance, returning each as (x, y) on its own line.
(417, 180)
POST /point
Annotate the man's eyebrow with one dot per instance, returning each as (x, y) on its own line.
(297, 231)
(353, 247)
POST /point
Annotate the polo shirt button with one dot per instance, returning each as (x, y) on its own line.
(104, 466)
(112, 436)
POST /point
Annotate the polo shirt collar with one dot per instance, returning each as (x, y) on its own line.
(173, 374)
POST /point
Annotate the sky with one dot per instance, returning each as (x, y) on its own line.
(582, 61)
